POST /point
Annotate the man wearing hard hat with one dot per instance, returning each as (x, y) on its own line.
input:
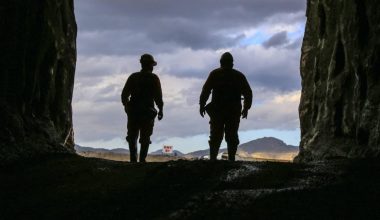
(141, 91)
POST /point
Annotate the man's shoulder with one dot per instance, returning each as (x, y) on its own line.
(238, 73)
(216, 72)
(139, 74)
(134, 75)
(155, 76)
(220, 71)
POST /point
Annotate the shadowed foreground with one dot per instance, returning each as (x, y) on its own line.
(75, 187)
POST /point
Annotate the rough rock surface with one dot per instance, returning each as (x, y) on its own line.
(340, 69)
(38, 57)
(71, 187)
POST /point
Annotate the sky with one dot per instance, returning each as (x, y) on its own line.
(187, 39)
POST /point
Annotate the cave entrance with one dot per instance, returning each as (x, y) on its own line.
(187, 47)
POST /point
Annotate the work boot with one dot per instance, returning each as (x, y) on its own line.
(143, 152)
(231, 152)
(214, 150)
(132, 151)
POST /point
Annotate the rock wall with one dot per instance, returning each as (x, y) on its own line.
(340, 70)
(38, 58)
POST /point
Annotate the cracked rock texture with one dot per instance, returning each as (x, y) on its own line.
(38, 57)
(340, 70)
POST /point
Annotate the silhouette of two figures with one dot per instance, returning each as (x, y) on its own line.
(142, 91)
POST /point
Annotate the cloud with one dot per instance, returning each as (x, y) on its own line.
(277, 40)
(142, 14)
(272, 68)
(166, 24)
(187, 39)
(100, 115)
(278, 112)
(120, 42)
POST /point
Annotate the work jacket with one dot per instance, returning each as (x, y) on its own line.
(141, 91)
(227, 86)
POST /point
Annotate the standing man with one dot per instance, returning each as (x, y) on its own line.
(140, 92)
(227, 86)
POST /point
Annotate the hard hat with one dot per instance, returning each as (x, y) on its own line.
(147, 58)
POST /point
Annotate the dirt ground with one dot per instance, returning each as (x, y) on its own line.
(73, 187)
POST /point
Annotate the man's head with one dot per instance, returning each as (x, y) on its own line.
(147, 61)
(226, 60)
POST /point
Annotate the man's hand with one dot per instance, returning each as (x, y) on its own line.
(160, 115)
(202, 111)
(244, 113)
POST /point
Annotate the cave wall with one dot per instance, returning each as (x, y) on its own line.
(340, 69)
(38, 57)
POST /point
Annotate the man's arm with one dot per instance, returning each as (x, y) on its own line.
(158, 99)
(126, 92)
(205, 94)
(247, 94)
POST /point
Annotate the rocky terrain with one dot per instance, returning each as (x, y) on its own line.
(38, 45)
(72, 187)
(340, 70)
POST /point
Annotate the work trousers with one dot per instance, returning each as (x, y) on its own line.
(227, 124)
(142, 127)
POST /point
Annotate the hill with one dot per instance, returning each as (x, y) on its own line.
(201, 153)
(159, 152)
(262, 148)
(118, 154)
(80, 149)
(268, 148)
(121, 154)
(267, 144)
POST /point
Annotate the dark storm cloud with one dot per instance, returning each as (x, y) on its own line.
(116, 14)
(295, 44)
(119, 42)
(276, 40)
(276, 69)
(189, 34)
(276, 81)
(127, 42)
(194, 24)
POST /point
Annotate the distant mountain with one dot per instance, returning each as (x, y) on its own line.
(121, 154)
(80, 149)
(120, 151)
(201, 153)
(268, 145)
(159, 152)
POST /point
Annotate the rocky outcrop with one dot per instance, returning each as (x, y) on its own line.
(38, 57)
(340, 70)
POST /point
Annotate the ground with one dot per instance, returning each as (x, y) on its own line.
(73, 187)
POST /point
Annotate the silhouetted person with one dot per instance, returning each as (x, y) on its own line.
(140, 92)
(227, 86)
